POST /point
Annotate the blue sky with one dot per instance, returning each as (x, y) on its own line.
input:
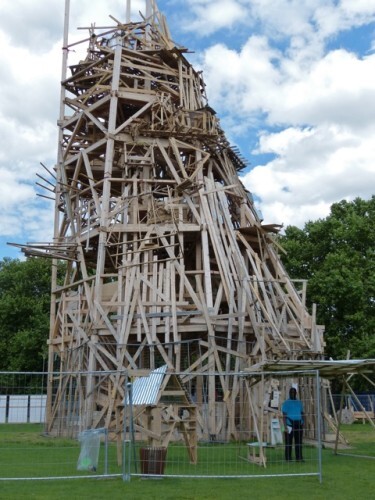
(293, 82)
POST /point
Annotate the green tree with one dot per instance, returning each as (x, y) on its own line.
(24, 313)
(337, 256)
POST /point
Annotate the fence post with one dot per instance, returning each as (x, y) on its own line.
(319, 424)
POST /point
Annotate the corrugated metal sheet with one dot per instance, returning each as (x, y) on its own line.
(146, 389)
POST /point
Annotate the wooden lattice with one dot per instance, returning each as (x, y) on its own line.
(167, 259)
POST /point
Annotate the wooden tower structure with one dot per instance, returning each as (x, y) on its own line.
(167, 260)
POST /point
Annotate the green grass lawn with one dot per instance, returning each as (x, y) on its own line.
(344, 477)
(25, 451)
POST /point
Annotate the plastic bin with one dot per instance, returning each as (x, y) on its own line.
(153, 460)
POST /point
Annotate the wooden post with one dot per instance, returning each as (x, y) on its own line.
(53, 307)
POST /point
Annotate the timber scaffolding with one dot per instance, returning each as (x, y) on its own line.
(167, 260)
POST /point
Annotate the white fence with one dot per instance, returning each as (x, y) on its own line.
(23, 409)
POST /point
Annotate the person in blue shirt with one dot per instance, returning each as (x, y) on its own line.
(293, 418)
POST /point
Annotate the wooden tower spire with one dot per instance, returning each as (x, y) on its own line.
(167, 261)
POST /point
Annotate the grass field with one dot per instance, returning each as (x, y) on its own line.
(344, 476)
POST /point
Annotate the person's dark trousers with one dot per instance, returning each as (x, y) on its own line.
(296, 435)
(288, 445)
(298, 432)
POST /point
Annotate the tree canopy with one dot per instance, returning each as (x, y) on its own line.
(337, 257)
(24, 313)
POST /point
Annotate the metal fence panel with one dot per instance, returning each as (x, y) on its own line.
(40, 440)
(240, 434)
(193, 428)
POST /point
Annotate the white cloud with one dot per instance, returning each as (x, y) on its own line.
(37, 25)
(310, 107)
(209, 17)
(241, 80)
(335, 88)
(358, 7)
(30, 72)
(12, 192)
(280, 18)
(321, 103)
(313, 169)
